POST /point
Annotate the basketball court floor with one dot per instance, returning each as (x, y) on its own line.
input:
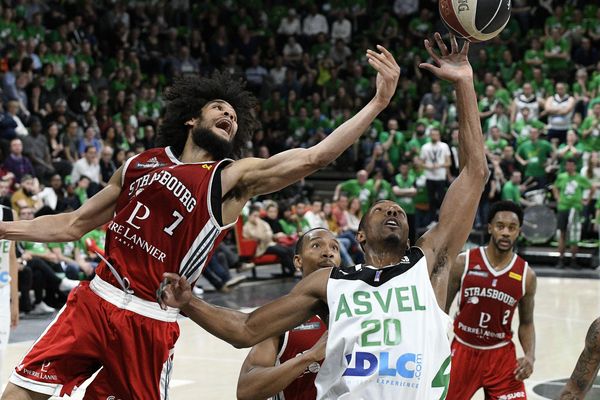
(207, 368)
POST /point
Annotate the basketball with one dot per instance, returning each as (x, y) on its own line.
(475, 20)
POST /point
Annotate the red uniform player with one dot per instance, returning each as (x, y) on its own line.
(285, 367)
(492, 282)
(168, 208)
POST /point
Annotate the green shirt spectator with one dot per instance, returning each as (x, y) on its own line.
(556, 46)
(395, 145)
(570, 188)
(522, 127)
(378, 189)
(533, 154)
(512, 192)
(590, 130)
(406, 181)
(496, 146)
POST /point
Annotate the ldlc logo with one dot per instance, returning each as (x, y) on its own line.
(4, 278)
(408, 365)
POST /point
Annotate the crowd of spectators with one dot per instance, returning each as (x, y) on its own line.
(81, 84)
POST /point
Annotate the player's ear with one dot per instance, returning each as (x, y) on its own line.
(489, 229)
(298, 263)
(191, 122)
(361, 239)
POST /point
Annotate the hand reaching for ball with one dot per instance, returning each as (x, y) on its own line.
(450, 66)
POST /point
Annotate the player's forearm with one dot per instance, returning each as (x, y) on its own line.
(346, 134)
(48, 228)
(242, 329)
(263, 382)
(471, 150)
(527, 339)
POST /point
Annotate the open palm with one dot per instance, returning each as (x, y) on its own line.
(450, 66)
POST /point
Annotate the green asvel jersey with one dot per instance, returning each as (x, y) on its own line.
(571, 188)
(387, 334)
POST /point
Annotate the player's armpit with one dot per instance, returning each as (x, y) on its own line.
(456, 271)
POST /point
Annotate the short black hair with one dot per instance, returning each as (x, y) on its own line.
(300, 241)
(505, 205)
(186, 98)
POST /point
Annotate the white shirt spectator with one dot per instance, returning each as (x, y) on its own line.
(435, 153)
(82, 167)
(256, 74)
(292, 50)
(315, 220)
(315, 24)
(290, 25)
(341, 29)
(48, 197)
(278, 74)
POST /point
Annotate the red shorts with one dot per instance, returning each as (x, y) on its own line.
(493, 370)
(132, 339)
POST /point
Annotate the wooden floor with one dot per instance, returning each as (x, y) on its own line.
(207, 368)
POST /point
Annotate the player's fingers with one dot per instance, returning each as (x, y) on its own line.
(171, 277)
(429, 67)
(453, 43)
(441, 44)
(389, 56)
(381, 58)
(431, 52)
(379, 66)
(465, 48)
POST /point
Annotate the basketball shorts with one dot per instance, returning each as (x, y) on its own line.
(101, 326)
(492, 370)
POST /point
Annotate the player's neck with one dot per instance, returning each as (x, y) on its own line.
(193, 154)
(498, 259)
(383, 257)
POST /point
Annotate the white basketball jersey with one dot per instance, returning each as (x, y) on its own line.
(387, 335)
(522, 101)
(5, 215)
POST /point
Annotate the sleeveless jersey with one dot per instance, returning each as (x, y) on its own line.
(560, 122)
(487, 300)
(522, 101)
(167, 219)
(387, 335)
(296, 342)
(5, 215)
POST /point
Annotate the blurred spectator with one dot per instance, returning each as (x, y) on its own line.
(257, 229)
(314, 23)
(88, 166)
(568, 191)
(404, 190)
(290, 25)
(107, 166)
(26, 196)
(559, 108)
(534, 156)
(436, 160)
(341, 28)
(439, 102)
(16, 162)
(38, 150)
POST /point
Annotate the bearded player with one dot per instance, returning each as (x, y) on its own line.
(168, 209)
(285, 366)
(492, 282)
(387, 333)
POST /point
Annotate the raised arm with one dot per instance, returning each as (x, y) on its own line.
(587, 366)
(244, 330)
(526, 328)
(260, 378)
(67, 227)
(254, 176)
(457, 213)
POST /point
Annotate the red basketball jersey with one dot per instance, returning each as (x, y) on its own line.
(167, 219)
(296, 342)
(488, 299)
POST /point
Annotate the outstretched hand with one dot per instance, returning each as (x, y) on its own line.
(174, 291)
(450, 66)
(388, 73)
